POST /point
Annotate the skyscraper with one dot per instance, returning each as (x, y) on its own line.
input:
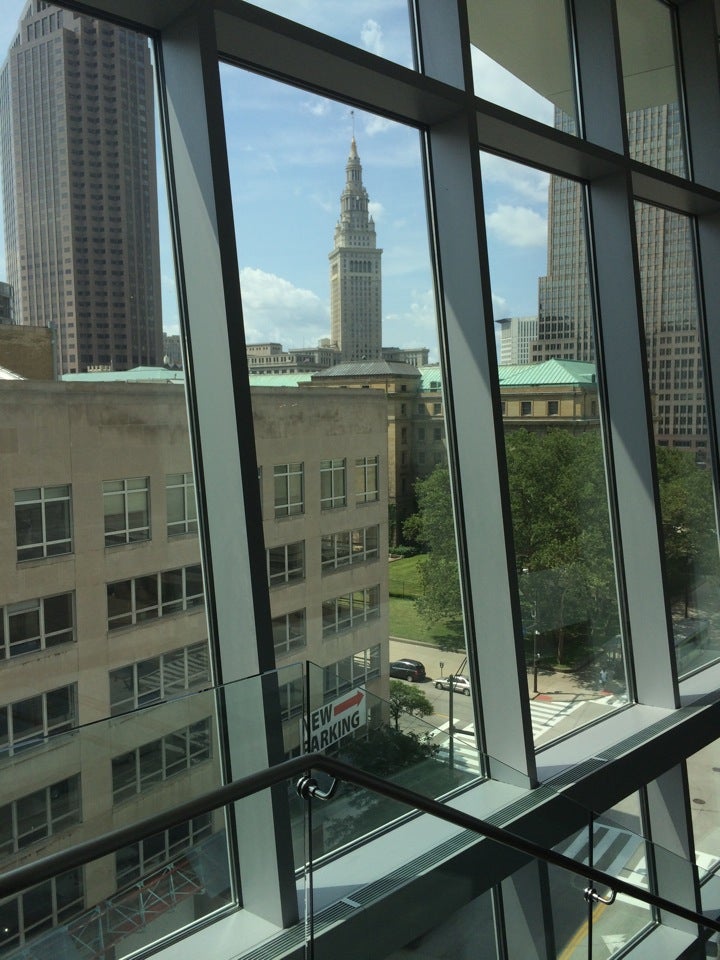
(667, 278)
(355, 273)
(79, 188)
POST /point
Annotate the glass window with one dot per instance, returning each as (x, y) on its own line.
(286, 563)
(181, 509)
(43, 522)
(522, 58)
(36, 624)
(560, 514)
(367, 479)
(152, 596)
(656, 129)
(673, 347)
(288, 480)
(289, 632)
(332, 484)
(126, 505)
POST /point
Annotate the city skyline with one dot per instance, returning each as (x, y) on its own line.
(303, 146)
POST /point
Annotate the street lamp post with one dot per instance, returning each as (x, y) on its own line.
(536, 657)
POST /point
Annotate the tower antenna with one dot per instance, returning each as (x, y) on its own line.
(352, 114)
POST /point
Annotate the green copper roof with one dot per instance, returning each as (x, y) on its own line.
(546, 373)
(525, 374)
(278, 379)
(136, 375)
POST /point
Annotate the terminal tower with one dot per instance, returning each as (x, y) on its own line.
(355, 273)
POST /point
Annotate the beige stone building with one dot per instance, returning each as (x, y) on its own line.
(102, 611)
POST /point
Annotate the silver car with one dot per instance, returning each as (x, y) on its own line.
(460, 684)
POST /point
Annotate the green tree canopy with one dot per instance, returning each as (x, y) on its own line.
(407, 699)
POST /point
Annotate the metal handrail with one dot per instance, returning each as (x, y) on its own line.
(26, 876)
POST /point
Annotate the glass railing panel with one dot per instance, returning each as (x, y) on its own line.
(379, 737)
(113, 773)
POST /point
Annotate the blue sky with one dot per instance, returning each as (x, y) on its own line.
(287, 152)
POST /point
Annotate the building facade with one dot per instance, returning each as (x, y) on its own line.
(76, 108)
(625, 790)
(355, 273)
(105, 636)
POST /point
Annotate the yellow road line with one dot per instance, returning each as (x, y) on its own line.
(581, 933)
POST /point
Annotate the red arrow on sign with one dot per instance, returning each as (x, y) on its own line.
(346, 704)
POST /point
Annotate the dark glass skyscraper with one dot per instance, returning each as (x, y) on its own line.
(667, 277)
(79, 188)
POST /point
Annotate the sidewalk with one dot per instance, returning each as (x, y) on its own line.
(583, 684)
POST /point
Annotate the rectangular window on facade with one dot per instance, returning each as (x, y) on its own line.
(350, 610)
(552, 408)
(525, 408)
(36, 625)
(27, 723)
(349, 546)
(43, 522)
(47, 904)
(126, 505)
(159, 678)
(138, 770)
(367, 479)
(286, 563)
(39, 815)
(351, 672)
(332, 484)
(288, 480)
(181, 509)
(291, 698)
(155, 595)
(140, 859)
(289, 632)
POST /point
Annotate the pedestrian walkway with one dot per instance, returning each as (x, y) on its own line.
(465, 752)
(615, 851)
(546, 713)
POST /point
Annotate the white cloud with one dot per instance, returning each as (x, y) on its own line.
(498, 301)
(525, 181)
(374, 125)
(318, 107)
(274, 309)
(376, 209)
(518, 226)
(414, 327)
(371, 36)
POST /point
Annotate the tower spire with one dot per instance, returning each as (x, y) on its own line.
(355, 271)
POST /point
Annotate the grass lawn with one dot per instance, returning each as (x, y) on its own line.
(406, 622)
(404, 577)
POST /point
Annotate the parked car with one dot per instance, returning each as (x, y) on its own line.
(460, 684)
(411, 670)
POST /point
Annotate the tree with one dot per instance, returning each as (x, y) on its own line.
(407, 699)
(561, 533)
(561, 530)
(433, 526)
(688, 522)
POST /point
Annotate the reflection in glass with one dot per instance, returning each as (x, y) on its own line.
(522, 58)
(656, 132)
(553, 442)
(677, 385)
(381, 29)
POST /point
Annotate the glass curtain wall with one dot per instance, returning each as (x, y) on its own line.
(296, 554)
